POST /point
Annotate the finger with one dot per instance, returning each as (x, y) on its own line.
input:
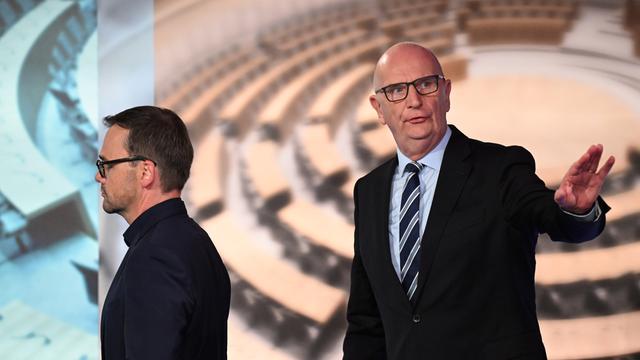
(604, 170)
(561, 193)
(559, 196)
(596, 154)
(582, 164)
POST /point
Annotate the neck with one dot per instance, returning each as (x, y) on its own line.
(147, 201)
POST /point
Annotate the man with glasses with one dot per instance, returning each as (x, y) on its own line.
(170, 296)
(446, 231)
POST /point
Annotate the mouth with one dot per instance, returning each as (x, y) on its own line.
(417, 119)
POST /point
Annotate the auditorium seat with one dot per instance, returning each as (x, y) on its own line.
(319, 158)
(270, 275)
(499, 30)
(592, 337)
(276, 115)
(296, 40)
(11, 11)
(585, 298)
(220, 90)
(204, 190)
(238, 110)
(304, 29)
(498, 22)
(366, 117)
(13, 233)
(348, 187)
(588, 265)
(303, 218)
(623, 204)
(454, 66)
(211, 73)
(29, 334)
(396, 27)
(244, 343)
(29, 169)
(400, 9)
(326, 105)
(269, 187)
(378, 143)
(631, 14)
(438, 37)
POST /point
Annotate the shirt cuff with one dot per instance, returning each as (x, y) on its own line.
(592, 216)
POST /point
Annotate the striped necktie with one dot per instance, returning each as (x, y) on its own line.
(410, 230)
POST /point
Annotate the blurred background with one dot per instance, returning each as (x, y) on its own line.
(275, 98)
(48, 199)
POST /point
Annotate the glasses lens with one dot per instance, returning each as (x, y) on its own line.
(100, 167)
(426, 85)
(396, 92)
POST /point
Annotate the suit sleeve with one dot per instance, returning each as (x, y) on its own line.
(529, 204)
(365, 334)
(157, 304)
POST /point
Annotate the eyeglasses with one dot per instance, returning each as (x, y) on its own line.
(101, 163)
(424, 86)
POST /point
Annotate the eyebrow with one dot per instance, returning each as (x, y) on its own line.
(408, 82)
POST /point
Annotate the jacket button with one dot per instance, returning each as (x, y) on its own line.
(416, 318)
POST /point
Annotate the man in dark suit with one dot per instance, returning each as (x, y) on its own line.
(446, 231)
(170, 296)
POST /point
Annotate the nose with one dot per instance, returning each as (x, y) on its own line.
(99, 178)
(414, 100)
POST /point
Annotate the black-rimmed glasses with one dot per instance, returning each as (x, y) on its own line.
(101, 163)
(399, 91)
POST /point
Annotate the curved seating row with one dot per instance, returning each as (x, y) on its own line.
(12, 10)
(28, 334)
(589, 298)
(290, 35)
(279, 113)
(292, 218)
(240, 109)
(270, 276)
(611, 336)
(201, 76)
(538, 22)
(21, 159)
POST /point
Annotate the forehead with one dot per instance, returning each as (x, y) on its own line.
(114, 142)
(407, 65)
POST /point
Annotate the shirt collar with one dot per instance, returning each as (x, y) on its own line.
(151, 217)
(432, 159)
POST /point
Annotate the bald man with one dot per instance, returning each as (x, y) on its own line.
(446, 230)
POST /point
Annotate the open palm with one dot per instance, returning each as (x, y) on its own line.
(581, 185)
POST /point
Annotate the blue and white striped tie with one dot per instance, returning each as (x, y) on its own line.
(410, 230)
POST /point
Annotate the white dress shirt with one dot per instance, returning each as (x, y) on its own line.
(428, 178)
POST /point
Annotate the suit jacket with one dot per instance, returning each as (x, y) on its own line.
(476, 296)
(170, 296)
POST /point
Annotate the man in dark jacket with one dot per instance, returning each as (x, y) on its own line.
(445, 235)
(170, 296)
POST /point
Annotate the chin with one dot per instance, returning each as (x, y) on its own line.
(110, 209)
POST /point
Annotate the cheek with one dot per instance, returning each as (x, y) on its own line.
(392, 116)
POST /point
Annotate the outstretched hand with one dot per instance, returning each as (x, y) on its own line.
(581, 185)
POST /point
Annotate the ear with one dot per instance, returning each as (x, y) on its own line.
(447, 93)
(373, 100)
(150, 174)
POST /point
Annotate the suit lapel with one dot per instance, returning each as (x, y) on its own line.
(451, 180)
